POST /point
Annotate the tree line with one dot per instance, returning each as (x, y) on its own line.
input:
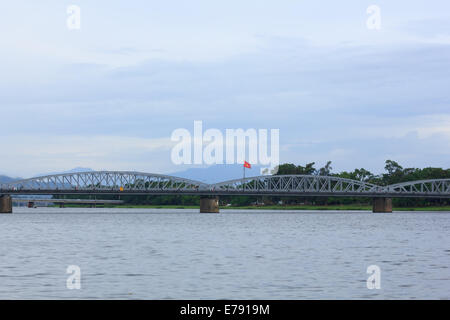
(394, 173)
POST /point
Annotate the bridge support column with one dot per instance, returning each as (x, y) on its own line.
(5, 204)
(209, 205)
(382, 205)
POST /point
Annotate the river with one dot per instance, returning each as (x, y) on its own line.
(182, 254)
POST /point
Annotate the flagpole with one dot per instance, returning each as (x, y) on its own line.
(243, 180)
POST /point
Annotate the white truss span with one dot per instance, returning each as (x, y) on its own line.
(296, 184)
(138, 182)
(439, 186)
(105, 180)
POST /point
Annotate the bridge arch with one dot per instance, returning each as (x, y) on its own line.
(105, 181)
(297, 184)
(421, 187)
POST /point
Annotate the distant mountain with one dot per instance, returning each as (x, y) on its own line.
(218, 173)
(78, 169)
(6, 179)
(74, 170)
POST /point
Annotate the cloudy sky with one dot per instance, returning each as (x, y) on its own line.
(108, 96)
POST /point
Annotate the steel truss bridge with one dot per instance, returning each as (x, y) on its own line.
(138, 183)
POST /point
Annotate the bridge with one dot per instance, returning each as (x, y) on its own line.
(61, 202)
(139, 183)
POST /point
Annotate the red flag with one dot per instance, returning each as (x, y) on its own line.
(247, 165)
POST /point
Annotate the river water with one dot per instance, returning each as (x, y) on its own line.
(181, 254)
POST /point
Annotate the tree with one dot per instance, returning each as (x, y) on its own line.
(363, 174)
(392, 167)
(289, 168)
(394, 172)
(325, 171)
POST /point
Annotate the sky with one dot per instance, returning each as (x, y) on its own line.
(109, 95)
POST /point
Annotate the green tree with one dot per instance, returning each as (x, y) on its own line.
(326, 170)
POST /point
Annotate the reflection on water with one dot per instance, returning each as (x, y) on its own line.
(181, 254)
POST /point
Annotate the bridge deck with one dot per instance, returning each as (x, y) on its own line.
(69, 201)
(224, 193)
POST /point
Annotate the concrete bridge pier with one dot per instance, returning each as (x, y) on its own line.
(5, 204)
(382, 205)
(209, 205)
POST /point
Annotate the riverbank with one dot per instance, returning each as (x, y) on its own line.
(293, 207)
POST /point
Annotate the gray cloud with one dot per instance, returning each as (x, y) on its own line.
(309, 92)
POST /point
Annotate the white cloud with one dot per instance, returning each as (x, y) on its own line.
(31, 155)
